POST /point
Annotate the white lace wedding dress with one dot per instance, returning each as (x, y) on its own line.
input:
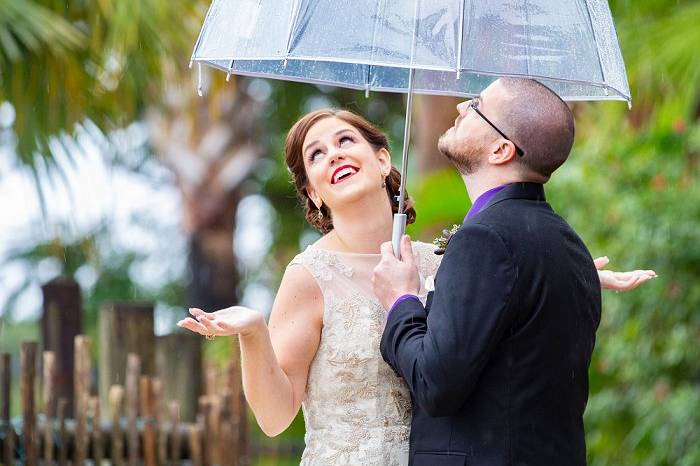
(357, 410)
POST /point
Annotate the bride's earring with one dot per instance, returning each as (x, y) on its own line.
(384, 181)
(319, 214)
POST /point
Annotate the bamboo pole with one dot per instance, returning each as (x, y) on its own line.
(62, 434)
(133, 373)
(5, 384)
(27, 381)
(49, 404)
(81, 397)
(116, 403)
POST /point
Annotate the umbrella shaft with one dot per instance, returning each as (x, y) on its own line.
(406, 140)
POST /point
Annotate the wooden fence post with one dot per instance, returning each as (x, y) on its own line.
(179, 367)
(203, 420)
(61, 322)
(161, 433)
(238, 406)
(8, 456)
(148, 417)
(49, 404)
(62, 434)
(133, 374)
(81, 397)
(226, 433)
(116, 403)
(195, 441)
(123, 329)
(175, 453)
(27, 388)
(97, 438)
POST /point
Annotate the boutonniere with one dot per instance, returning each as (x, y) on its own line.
(442, 241)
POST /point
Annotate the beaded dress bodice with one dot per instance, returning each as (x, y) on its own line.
(356, 409)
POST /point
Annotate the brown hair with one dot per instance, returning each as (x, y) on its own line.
(295, 162)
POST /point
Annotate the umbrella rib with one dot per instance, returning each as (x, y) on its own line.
(295, 15)
(597, 48)
(460, 36)
(371, 51)
(527, 37)
(415, 34)
(201, 33)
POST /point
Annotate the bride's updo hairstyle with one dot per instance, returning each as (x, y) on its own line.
(295, 162)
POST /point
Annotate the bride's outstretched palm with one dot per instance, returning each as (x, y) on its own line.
(234, 320)
(620, 281)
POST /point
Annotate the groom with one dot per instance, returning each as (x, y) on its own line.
(497, 360)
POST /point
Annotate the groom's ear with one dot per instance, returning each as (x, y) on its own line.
(503, 152)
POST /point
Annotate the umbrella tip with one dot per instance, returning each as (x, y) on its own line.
(199, 80)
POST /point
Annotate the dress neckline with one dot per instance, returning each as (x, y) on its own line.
(344, 253)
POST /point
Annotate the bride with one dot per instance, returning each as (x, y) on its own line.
(320, 349)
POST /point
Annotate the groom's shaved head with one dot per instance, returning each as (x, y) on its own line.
(538, 121)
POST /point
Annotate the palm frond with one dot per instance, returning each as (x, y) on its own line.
(102, 61)
(30, 27)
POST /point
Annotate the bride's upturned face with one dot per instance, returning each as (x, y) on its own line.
(342, 167)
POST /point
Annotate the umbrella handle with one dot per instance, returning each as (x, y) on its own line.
(397, 232)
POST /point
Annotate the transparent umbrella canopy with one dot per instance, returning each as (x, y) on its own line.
(440, 47)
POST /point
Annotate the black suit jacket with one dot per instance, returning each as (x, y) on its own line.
(497, 361)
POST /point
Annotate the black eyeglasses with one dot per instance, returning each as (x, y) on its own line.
(474, 105)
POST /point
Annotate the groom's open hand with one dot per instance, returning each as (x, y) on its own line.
(394, 278)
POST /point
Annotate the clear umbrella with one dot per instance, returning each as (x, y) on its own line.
(445, 47)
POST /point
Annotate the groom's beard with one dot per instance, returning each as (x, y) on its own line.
(465, 156)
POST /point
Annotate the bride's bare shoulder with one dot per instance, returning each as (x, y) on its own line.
(298, 290)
